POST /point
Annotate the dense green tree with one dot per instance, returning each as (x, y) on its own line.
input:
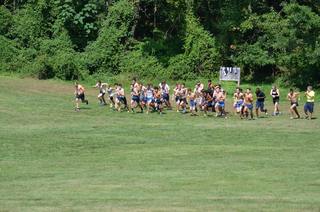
(179, 39)
(104, 54)
(287, 41)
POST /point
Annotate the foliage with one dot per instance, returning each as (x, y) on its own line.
(288, 41)
(200, 47)
(54, 58)
(8, 53)
(5, 21)
(80, 20)
(27, 27)
(141, 64)
(179, 39)
(105, 54)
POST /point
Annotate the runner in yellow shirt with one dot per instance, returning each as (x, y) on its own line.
(308, 107)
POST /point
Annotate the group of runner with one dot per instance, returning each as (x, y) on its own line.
(211, 98)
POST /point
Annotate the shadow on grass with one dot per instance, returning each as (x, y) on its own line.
(86, 108)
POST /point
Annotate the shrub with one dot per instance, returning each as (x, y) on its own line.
(8, 54)
(105, 54)
(141, 64)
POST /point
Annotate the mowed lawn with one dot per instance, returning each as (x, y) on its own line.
(55, 159)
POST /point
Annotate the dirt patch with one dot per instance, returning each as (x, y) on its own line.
(31, 85)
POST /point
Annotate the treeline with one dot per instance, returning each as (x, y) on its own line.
(176, 39)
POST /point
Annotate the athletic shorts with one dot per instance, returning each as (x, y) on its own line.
(166, 97)
(308, 107)
(210, 104)
(183, 100)
(276, 100)
(295, 103)
(158, 101)
(198, 101)
(120, 98)
(135, 98)
(259, 105)
(80, 96)
(221, 104)
(177, 99)
(249, 106)
(239, 104)
(149, 99)
(142, 98)
(101, 94)
(192, 103)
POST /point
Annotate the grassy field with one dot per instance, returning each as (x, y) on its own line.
(54, 159)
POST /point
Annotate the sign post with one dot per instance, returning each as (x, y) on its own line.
(230, 74)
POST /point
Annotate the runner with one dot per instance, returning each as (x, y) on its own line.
(237, 100)
(198, 95)
(135, 97)
(165, 92)
(143, 98)
(112, 94)
(248, 106)
(183, 93)
(102, 91)
(293, 98)
(220, 102)
(260, 102)
(207, 102)
(192, 102)
(177, 96)
(149, 97)
(309, 106)
(158, 99)
(275, 93)
(121, 98)
(79, 94)
(210, 87)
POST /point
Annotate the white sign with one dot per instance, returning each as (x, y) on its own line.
(230, 74)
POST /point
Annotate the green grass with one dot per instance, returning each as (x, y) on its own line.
(54, 159)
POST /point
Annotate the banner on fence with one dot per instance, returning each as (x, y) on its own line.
(230, 74)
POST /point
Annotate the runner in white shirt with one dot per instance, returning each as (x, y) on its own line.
(102, 91)
(165, 92)
(198, 94)
(112, 95)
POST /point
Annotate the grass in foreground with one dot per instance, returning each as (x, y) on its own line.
(54, 159)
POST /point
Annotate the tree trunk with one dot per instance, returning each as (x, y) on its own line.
(136, 17)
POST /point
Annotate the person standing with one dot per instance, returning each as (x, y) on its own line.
(309, 106)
